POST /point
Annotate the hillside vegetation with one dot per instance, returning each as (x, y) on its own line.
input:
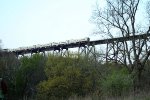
(60, 78)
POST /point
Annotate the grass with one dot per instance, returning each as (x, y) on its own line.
(138, 96)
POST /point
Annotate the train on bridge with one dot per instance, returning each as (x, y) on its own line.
(53, 44)
(85, 43)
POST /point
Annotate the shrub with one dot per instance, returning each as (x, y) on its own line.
(66, 77)
(116, 83)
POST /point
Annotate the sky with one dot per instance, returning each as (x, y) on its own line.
(30, 22)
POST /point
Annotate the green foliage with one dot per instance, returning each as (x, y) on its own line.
(30, 73)
(66, 77)
(145, 77)
(56, 77)
(9, 65)
(117, 83)
(53, 89)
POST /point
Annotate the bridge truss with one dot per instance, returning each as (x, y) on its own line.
(114, 51)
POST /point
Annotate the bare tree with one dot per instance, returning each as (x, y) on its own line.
(119, 18)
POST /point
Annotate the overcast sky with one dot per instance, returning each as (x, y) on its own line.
(29, 22)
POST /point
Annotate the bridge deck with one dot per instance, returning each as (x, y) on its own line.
(80, 44)
(120, 39)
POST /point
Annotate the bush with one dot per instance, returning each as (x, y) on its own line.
(56, 88)
(117, 83)
(66, 77)
(30, 73)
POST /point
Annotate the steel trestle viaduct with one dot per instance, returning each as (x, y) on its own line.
(86, 47)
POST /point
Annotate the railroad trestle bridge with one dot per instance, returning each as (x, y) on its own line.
(85, 46)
